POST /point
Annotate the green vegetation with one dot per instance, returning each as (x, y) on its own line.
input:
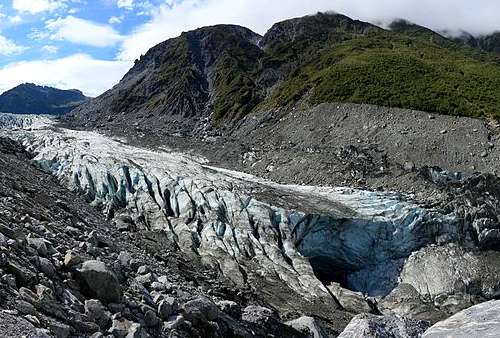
(395, 70)
(235, 84)
(337, 59)
(307, 61)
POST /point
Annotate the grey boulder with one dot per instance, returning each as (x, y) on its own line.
(405, 301)
(479, 321)
(450, 269)
(309, 326)
(100, 282)
(350, 300)
(200, 311)
(372, 326)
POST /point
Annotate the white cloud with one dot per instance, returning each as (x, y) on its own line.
(174, 17)
(37, 6)
(82, 31)
(127, 4)
(9, 47)
(116, 19)
(79, 71)
(171, 19)
(15, 19)
(50, 49)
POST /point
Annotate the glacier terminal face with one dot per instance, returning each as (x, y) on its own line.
(256, 232)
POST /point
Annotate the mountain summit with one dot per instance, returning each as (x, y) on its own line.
(29, 98)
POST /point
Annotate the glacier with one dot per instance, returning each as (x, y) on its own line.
(254, 231)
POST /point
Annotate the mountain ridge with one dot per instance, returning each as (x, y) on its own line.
(212, 76)
(29, 98)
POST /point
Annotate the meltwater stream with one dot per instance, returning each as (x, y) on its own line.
(253, 230)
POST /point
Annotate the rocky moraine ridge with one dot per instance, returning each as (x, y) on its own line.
(188, 249)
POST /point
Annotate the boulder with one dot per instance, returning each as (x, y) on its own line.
(268, 321)
(309, 326)
(231, 308)
(258, 314)
(200, 311)
(405, 301)
(97, 313)
(151, 319)
(479, 321)
(38, 244)
(350, 300)
(450, 269)
(137, 331)
(24, 276)
(120, 327)
(372, 326)
(167, 307)
(100, 282)
(46, 267)
(71, 259)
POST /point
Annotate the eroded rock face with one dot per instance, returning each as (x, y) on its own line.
(478, 321)
(371, 326)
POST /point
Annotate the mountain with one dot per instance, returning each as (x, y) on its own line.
(405, 27)
(487, 43)
(223, 73)
(29, 98)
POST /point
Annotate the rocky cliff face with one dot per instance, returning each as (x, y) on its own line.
(32, 99)
(180, 80)
(214, 72)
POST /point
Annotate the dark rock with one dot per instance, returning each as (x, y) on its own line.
(167, 307)
(97, 313)
(38, 244)
(231, 308)
(24, 276)
(200, 311)
(151, 319)
(100, 282)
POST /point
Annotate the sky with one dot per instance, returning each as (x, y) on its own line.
(90, 44)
